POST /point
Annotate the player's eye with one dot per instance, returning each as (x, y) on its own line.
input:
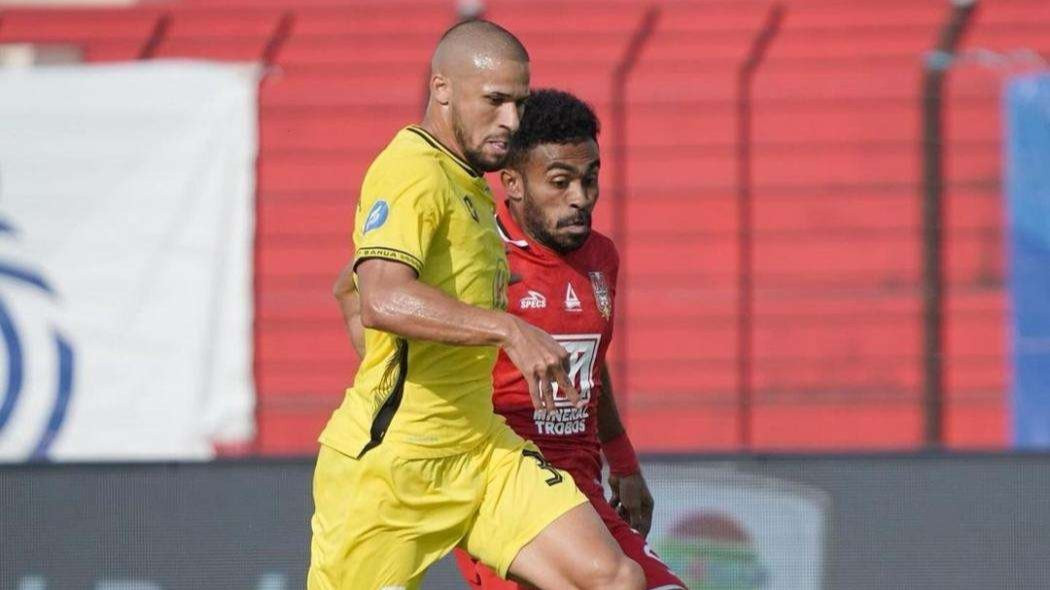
(589, 181)
(495, 100)
(560, 182)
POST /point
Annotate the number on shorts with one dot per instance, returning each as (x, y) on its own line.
(555, 477)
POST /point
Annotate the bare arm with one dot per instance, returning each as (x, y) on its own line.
(630, 494)
(345, 293)
(394, 301)
(609, 424)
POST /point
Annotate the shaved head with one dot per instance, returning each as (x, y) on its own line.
(475, 44)
(479, 79)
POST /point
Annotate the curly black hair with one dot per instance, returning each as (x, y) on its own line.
(552, 116)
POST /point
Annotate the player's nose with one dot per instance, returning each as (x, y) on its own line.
(509, 116)
(576, 196)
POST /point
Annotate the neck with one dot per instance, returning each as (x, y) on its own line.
(514, 208)
(438, 125)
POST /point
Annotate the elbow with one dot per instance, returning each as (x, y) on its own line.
(343, 287)
(372, 316)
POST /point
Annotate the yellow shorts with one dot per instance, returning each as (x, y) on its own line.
(381, 520)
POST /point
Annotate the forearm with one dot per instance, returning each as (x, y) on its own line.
(609, 424)
(345, 293)
(616, 446)
(414, 310)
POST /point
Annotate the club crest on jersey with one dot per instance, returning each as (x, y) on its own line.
(470, 208)
(534, 300)
(601, 294)
(572, 302)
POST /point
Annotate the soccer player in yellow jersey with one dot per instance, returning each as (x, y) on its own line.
(415, 461)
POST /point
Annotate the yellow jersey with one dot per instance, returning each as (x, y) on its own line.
(423, 206)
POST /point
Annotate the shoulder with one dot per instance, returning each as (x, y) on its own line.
(408, 168)
(603, 250)
(410, 175)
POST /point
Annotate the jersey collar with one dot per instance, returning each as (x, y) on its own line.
(434, 143)
(509, 231)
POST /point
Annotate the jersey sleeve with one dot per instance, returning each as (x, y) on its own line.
(402, 205)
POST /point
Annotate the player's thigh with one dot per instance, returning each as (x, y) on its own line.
(377, 524)
(523, 495)
(576, 551)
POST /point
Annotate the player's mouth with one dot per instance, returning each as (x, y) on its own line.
(500, 146)
(577, 225)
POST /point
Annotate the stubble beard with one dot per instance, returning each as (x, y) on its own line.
(474, 157)
(535, 225)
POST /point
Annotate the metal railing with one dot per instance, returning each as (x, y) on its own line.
(745, 221)
(643, 32)
(935, 68)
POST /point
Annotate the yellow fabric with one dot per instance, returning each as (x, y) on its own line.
(381, 520)
(422, 206)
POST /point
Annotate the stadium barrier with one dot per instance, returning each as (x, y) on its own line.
(857, 522)
(836, 291)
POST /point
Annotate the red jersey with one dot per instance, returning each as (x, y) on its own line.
(569, 296)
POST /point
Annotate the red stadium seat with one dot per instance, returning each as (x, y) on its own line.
(836, 198)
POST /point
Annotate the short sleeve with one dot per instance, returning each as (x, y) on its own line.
(402, 206)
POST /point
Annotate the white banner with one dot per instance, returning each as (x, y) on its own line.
(725, 530)
(126, 228)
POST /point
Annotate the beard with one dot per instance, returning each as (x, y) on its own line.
(474, 157)
(536, 225)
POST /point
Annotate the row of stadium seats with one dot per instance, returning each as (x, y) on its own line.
(837, 167)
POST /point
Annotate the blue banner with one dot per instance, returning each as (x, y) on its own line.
(1028, 194)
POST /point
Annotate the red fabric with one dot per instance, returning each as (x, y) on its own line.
(619, 452)
(572, 298)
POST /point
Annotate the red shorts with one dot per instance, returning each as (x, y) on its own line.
(657, 575)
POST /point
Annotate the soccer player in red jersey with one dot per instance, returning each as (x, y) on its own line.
(564, 282)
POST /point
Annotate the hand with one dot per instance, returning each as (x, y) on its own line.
(542, 361)
(632, 500)
(345, 292)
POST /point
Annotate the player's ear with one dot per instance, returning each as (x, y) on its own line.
(441, 89)
(512, 184)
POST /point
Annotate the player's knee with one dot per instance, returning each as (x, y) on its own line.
(633, 576)
(622, 574)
